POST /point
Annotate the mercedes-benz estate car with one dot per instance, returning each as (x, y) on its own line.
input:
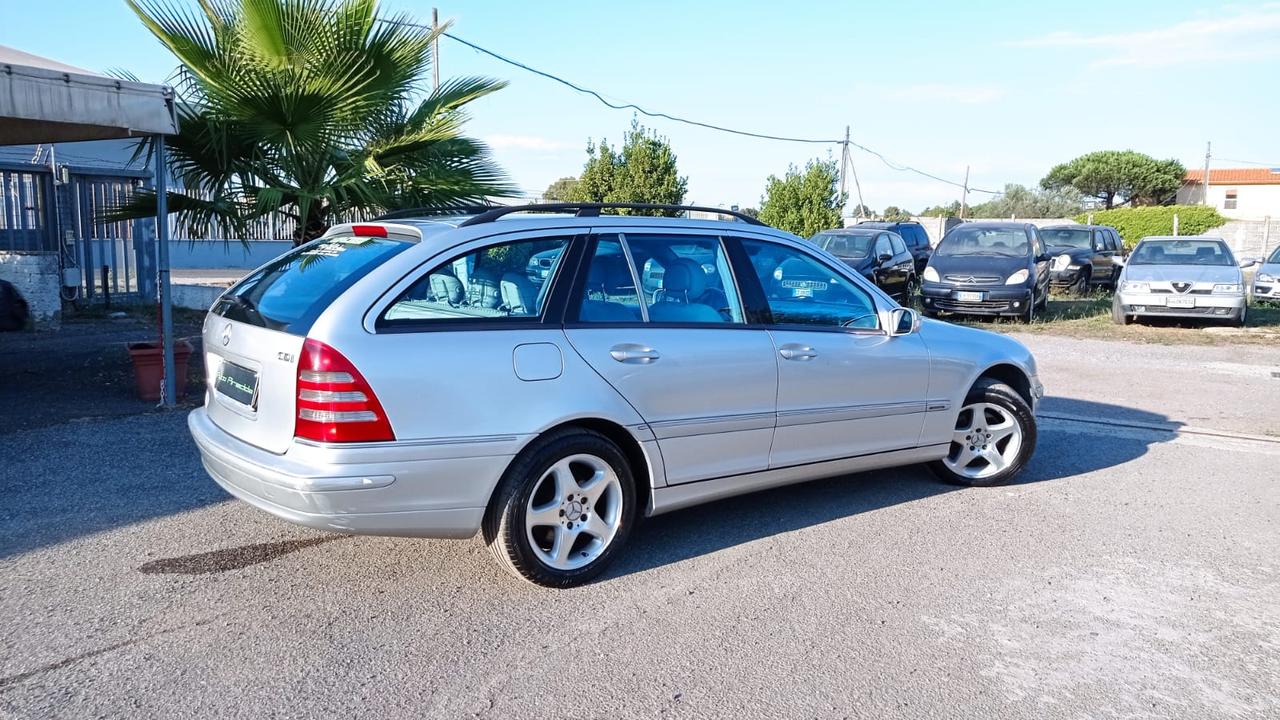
(988, 268)
(1266, 280)
(410, 378)
(880, 256)
(1182, 277)
(1084, 256)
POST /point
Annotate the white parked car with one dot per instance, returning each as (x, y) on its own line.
(1266, 281)
(1182, 277)
(425, 377)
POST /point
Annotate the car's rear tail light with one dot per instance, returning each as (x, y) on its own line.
(335, 404)
(368, 231)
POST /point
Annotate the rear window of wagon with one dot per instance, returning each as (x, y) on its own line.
(293, 290)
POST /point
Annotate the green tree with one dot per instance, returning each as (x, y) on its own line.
(642, 171)
(308, 107)
(866, 212)
(561, 190)
(803, 202)
(952, 210)
(1020, 201)
(1122, 176)
(893, 213)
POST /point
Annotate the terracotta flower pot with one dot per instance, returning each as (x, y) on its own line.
(148, 368)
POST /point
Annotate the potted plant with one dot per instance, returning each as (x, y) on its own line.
(148, 364)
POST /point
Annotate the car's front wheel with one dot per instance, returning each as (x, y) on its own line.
(995, 435)
(1118, 315)
(562, 510)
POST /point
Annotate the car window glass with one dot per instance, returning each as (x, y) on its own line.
(684, 278)
(882, 246)
(899, 246)
(508, 280)
(1038, 241)
(609, 294)
(802, 290)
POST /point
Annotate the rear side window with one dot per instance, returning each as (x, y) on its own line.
(505, 281)
(291, 292)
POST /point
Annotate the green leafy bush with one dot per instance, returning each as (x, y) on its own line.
(1138, 222)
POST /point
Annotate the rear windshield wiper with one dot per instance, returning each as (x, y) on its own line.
(243, 302)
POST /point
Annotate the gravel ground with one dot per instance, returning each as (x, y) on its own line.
(1132, 573)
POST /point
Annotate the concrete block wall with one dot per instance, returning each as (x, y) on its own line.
(38, 280)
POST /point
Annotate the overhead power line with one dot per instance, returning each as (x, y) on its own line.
(1250, 162)
(696, 123)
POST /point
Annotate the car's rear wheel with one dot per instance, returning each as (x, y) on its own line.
(995, 435)
(1118, 315)
(562, 510)
(910, 291)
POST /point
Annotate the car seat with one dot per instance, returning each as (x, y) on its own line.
(683, 288)
(519, 297)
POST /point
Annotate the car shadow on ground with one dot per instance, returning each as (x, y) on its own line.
(706, 529)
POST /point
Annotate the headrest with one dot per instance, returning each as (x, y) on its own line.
(684, 278)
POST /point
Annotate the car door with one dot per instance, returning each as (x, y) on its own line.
(845, 386)
(1040, 263)
(658, 316)
(1103, 257)
(903, 264)
(887, 274)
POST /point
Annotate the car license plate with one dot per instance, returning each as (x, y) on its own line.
(1181, 302)
(968, 296)
(238, 383)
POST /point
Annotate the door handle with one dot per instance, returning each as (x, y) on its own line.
(796, 351)
(634, 353)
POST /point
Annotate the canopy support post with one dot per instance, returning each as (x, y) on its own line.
(168, 394)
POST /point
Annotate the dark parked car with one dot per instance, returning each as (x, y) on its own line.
(988, 268)
(1084, 256)
(878, 255)
(913, 233)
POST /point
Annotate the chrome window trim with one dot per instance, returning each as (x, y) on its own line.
(635, 276)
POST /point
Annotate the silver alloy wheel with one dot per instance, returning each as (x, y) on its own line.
(574, 512)
(987, 440)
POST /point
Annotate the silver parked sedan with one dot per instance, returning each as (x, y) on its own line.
(1183, 277)
(551, 379)
(1266, 281)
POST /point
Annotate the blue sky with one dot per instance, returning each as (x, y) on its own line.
(1009, 88)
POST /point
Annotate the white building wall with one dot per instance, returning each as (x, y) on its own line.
(38, 280)
(1253, 202)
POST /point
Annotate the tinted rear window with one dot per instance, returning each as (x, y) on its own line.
(291, 292)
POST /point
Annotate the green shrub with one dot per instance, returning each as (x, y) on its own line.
(1139, 222)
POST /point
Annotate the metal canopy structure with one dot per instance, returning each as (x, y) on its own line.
(45, 101)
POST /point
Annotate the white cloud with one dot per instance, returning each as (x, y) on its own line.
(528, 142)
(1231, 35)
(938, 92)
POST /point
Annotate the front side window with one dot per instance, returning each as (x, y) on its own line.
(899, 246)
(506, 281)
(882, 246)
(802, 290)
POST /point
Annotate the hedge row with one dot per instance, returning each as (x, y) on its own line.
(1139, 222)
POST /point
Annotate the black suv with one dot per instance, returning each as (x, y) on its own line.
(988, 268)
(879, 255)
(913, 234)
(1084, 256)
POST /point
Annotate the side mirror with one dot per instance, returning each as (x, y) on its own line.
(1247, 262)
(903, 321)
(884, 258)
(1043, 257)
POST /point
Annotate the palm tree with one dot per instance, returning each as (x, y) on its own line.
(310, 108)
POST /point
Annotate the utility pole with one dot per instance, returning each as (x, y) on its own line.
(435, 50)
(846, 158)
(1204, 200)
(964, 199)
(844, 163)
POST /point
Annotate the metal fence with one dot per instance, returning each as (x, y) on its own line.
(25, 216)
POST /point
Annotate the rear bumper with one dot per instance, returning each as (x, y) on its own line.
(997, 299)
(441, 497)
(1156, 305)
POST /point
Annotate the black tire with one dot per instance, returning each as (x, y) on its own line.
(992, 391)
(910, 292)
(1081, 285)
(504, 522)
(1118, 315)
(1029, 315)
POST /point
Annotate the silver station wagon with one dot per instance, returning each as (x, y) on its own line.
(550, 379)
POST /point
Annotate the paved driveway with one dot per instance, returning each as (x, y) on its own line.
(1133, 573)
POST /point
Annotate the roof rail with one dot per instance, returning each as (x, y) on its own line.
(436, 210)
(592, 209)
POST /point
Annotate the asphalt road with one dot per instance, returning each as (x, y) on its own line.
(1133, 573)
